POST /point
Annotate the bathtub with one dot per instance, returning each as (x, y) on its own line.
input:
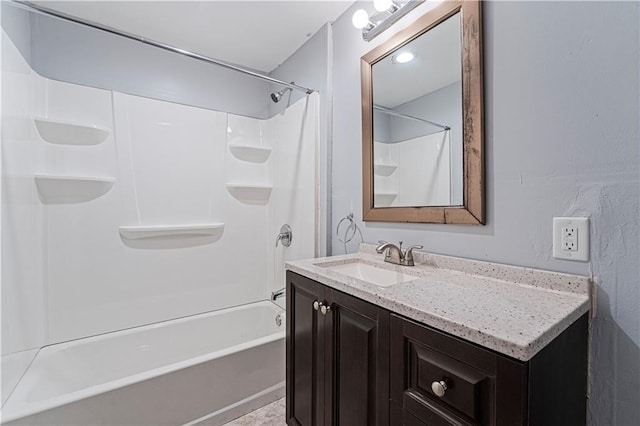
(205, 369)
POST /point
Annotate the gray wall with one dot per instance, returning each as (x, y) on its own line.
(443, 106)
(561, 106)
(15, 22)
(69, 52)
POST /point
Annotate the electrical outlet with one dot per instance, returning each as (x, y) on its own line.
(571, 238)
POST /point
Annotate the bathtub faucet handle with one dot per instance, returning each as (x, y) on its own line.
(285, 236)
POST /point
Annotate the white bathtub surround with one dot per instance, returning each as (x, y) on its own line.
(23, 297)
(160, 176)
(191, 369)
(416, 171)
(513, 310)
(157, 235)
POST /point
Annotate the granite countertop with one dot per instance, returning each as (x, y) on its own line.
(512, 310)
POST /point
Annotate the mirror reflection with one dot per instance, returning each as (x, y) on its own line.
(417, 121)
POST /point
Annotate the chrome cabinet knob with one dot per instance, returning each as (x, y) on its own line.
(316, 305)
(439, 388)
(324, 308)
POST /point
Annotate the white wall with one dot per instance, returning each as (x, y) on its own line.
(22, 233)
(561, 116)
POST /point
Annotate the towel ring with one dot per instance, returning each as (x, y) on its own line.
(352, 226)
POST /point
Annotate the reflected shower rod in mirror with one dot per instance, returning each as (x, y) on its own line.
(411, 117)
(36, 8)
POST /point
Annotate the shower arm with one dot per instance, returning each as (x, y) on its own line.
(36, 8)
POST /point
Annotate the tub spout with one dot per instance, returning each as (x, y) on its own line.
(278, 293)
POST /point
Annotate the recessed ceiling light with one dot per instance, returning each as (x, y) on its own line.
(403, 57)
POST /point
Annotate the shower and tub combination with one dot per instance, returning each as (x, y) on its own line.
(139, 251)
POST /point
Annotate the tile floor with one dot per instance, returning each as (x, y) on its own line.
(269, 415)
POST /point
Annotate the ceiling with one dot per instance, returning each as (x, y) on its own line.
(256, 34)
(438, 63)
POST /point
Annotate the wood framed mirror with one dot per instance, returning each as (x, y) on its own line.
(422, 120)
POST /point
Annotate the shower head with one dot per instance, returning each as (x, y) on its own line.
(276, 96)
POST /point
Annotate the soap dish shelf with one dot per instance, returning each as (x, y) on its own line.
(137, 232)
(69, 133)
(71, 189)
(250, 194)
(251, 153)
(382, 169)
(384, 199)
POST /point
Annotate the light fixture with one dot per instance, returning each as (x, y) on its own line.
(388, 12)
(360, 19)
(385, 5)
(403, 57)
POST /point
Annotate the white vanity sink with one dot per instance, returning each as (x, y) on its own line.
(369, 273)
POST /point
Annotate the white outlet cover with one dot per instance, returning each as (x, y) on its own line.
(581, 224)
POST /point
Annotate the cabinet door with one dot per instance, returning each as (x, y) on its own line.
(357, 355)
(305, 367)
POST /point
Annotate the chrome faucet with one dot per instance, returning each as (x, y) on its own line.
(394, 254)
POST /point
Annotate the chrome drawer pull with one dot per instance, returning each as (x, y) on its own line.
(316, 305)
(439, 388)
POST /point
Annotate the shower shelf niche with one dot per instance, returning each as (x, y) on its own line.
(384, 198)
(137, 232)
(251, 153)
(384, 169)
(71, 189)
(250, 194)
(68, 133)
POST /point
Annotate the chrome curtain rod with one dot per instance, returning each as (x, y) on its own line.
(398, 114)
(31, 7)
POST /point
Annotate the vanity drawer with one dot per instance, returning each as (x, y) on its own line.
(439, 379)
(446, 381)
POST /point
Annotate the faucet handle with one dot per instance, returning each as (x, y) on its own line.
(408, 255)
(381, 243)
(411, 248)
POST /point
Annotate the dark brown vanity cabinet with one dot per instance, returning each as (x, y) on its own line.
(337, 357)
(437, 379)
(352, 363)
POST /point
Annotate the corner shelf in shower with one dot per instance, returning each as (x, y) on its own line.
(252, 153)
(71, 189)
(68, 133)
(384, 199)
(384, 169)
(137, 232)
(250, 194)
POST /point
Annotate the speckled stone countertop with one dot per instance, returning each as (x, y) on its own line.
(512, 310)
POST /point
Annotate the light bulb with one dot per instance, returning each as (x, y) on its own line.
(360, 19)
(382, 5)
(404, 57)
